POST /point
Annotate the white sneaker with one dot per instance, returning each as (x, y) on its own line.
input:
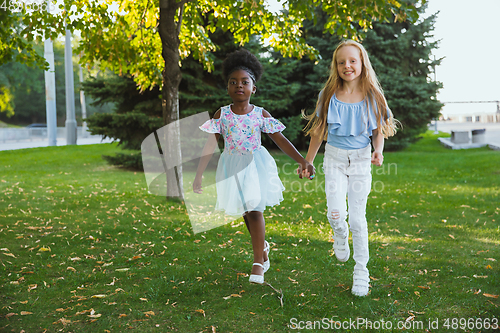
(341, 248)
(360, 283)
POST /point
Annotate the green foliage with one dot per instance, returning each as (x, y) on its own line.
(400, 53)
(123, 93)
(131, 128)
(6, 97)
(131, 160)
(126, 39)
(26, 85)
(13, 44)
(136, 115)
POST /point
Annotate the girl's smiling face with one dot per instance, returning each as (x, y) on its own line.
(349, 64)
(240, 86)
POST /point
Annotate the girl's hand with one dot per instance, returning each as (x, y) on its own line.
(377, 158)
(306, 170)
(197, 185)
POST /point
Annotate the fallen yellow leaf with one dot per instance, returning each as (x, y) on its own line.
(25, 313)
(122, 315)
(71, 269)
(44, 249)
(201, 311)
(451, 236)
(98, 296)
(10, 255)
(490, 295)
(149, 313)
(63, 321)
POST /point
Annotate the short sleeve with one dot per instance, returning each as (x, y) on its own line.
(271, 125)
(372, 119)
(333, 117)
(211, 126)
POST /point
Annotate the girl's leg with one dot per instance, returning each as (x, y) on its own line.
(257, 229)
(336, 189)
(358, 191)
(335, 165)
(250, 232)
(359, 188)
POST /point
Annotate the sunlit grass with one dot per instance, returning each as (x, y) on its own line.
(85, 248)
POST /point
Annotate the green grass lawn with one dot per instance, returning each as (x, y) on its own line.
(85, 248)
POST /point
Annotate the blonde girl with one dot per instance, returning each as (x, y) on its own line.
(351, 108)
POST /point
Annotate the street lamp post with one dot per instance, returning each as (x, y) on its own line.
(50, 91)
(70, 92)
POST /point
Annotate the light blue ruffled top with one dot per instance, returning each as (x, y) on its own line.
(350, 125)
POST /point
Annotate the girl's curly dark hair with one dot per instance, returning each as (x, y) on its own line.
(242, 58)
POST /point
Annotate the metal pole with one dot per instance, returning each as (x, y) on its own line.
(84, 106)
(436, 119)
(70, 91)
(50, 91)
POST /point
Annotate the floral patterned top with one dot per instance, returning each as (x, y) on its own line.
(242, 133)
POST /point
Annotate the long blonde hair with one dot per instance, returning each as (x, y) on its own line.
(371, 88)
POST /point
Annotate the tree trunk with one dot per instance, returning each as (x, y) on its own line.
(170, 95)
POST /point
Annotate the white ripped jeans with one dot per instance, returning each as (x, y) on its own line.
(348, 172)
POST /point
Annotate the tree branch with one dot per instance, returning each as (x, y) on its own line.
(181, 3)
(179, 24)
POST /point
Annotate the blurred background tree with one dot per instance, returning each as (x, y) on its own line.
(399, 50)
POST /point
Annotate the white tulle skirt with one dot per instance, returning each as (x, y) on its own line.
(247, 182)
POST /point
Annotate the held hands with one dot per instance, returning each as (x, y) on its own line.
(377, 158)
(306, 170)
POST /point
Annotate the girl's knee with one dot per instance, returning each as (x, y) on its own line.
(254, 215)
(335, 216)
